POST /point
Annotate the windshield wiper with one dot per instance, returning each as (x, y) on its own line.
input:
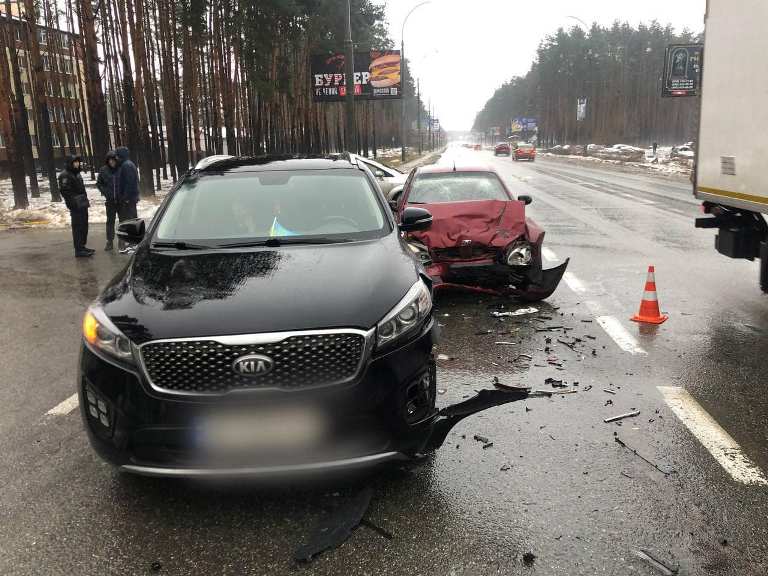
(274, 242)
(179, 245)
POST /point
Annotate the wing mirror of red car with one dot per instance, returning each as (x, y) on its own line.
(414, 219)
(525, 199)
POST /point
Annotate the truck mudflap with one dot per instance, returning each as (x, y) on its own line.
(548, 281)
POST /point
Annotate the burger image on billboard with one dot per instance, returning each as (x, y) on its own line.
(385, 71)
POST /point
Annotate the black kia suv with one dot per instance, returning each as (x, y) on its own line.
(271, 319)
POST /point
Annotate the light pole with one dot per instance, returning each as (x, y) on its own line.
(403, 127)
(349, 100)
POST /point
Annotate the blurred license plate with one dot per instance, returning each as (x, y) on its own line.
(263, 429)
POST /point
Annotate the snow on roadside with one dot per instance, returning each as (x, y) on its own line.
(42, 213)
(660, 167)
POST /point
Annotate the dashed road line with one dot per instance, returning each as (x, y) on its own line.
(712, 436)
(612, 326)
(624, 340)
(574, 283)
(65, 407)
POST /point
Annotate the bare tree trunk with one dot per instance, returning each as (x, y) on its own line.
(44, 134)
(15, 165)
(21, 118)
(97, 108)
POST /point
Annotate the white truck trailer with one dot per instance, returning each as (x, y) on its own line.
(731, 176)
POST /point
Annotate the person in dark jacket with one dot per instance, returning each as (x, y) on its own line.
(72, 190)
(107, 183)
(128, 186)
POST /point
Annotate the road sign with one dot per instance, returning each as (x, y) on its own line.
(682, 70)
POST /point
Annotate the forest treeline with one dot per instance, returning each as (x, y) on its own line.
(177, 80)
(618, 69)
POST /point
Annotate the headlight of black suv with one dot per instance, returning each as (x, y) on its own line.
(103, 336)
(406, 316)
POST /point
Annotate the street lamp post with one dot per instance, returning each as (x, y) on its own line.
(403, 121)
(349, 100)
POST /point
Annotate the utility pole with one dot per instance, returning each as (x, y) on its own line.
(429, 125)
(349, 100)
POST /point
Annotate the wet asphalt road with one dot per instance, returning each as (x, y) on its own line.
(554, 483)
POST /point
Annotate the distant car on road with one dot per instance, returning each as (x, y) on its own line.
(480, 238)
(478, 147)
(502, 148)
(525, 151)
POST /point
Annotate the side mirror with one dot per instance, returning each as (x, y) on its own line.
(525, 199)
(380, 173)
(414, 219)
(131, 231)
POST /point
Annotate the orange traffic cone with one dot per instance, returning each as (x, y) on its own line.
(649, 306)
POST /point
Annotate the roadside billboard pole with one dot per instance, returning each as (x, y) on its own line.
(349, 100)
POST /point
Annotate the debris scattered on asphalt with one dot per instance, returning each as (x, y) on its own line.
(655, 563)
(334, 529)
(622, 416)
(625, 475)
(609, 391)
(482, 439)
(487, 445)
(590, 337)
(526, 356)
(441, 390)
(567, 392)
(587, 321)
(555, 383)
(518, 312)
(621, 443)
(502, 343)
(444, 357)
(586, 388)
(156, 566)
(548, 393)
(483, 332)
(549, 328)
(608, 402)
(529, 558)
(505, 467)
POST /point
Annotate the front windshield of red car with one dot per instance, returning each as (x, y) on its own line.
(456, 187)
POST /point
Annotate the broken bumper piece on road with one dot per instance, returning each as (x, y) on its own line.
(485, 279)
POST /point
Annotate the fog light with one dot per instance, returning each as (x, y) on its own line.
(98, 408)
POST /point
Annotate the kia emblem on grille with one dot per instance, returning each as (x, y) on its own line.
(253, 365)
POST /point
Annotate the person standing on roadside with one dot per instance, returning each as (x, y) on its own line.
(72, 189)
(107, 183)
(128, 186)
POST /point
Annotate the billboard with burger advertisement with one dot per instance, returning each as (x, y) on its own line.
(377, 76)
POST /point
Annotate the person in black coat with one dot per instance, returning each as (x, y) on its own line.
(72, 190)
(128, 186)
(108, 184)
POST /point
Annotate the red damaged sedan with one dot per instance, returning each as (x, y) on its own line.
(480, 238)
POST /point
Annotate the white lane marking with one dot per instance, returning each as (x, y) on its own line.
(64, 407)
(619, 334)
(639, 199)
(574, 283)
(712, 436)
(549, 254)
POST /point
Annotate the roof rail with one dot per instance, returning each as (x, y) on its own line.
(208, 160)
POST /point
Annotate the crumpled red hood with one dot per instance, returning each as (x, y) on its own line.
(488, 222)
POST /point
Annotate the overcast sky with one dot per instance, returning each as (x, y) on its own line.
(462, 50)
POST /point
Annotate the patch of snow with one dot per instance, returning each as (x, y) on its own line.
(42, 213)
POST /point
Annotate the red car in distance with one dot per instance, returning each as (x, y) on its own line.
(525, 151)
(502, 148)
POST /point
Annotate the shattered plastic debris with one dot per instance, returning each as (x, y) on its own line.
(503, 343)
(621, 443)
(555, 383)
(336, 528)
(518, 312)
(444, 357)
(655, 563)
(622, 416)
(529, 558)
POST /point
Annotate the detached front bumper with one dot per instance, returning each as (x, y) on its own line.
(139, 430)
(528, 283)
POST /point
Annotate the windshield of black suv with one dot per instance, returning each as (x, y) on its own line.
(456, 187)
(260, 205)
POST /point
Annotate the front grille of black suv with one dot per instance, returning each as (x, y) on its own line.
(299, 361)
